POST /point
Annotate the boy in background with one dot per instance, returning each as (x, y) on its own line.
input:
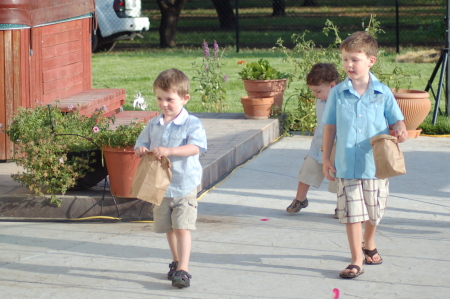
(357, 109)
(179, 136)
(321, 78)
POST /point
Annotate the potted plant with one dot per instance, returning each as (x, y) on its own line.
(414, 104)
(261, 80)
(56, 150)
(118, 150)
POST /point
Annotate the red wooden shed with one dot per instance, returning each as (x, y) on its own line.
(45, 56)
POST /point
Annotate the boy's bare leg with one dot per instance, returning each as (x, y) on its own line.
(172, 240)
(299, 201)
(369, 240)
(354, 235)
(183, 237)
(302, 191)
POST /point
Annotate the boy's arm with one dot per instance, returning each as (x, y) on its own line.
(181, 151)
(400, 131)
(329, 134)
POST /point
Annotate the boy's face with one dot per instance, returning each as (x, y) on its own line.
(357, 65)
(321, 91)
(170, 103)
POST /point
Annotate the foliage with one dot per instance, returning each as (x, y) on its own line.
(43, 136)
(211, 79)
(305, 54)
(122, 137)
(442, 126)
(303, 118)
(261, 70)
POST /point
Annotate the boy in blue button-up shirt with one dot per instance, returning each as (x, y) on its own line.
(357, 109)
(180, 137)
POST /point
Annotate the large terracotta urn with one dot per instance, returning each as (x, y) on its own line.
(415, 106)
(257, 108)
(122, 164)
(267, 88)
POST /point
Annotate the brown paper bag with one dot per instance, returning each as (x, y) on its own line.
(152, 179)
(389, 160)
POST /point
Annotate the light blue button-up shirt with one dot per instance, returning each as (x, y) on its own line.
(185, 129)
(357, 119)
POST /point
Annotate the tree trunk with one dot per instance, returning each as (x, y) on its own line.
(225, 14)
(170, 11)
(311, 3)
(279, 7)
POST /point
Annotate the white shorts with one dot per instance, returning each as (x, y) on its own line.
(311, 174)
(360, 200)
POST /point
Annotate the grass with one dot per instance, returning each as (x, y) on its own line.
(135, 71)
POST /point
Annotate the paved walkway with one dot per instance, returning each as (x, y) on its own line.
(232, 140)
(246, 245)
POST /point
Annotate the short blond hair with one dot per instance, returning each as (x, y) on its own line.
(172, 80)
(361, 42)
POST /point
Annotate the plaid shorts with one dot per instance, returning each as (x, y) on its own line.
(360, 200)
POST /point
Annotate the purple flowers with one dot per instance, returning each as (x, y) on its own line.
(95, 129)
(205, 50)
(211, 79)
(216, 49)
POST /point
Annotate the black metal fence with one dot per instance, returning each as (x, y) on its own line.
(259, 23)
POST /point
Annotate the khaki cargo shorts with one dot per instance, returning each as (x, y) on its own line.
(311, 174)
(360, 200)
(176, 213)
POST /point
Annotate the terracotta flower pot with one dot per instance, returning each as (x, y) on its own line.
(415, 106)
(122, 164)
(266, 89)
(257, 108)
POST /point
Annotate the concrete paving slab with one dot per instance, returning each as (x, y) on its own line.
(246, 245)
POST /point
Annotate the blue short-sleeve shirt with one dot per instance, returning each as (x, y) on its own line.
(185, 129)
(357, 119)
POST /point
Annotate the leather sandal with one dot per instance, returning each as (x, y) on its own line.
(351, 274)
(371, 254)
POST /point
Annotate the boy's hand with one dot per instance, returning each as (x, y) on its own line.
(140, 151)
(327, 167)
(399, 131)
(161, 152)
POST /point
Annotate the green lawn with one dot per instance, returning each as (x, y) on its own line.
(136, 71)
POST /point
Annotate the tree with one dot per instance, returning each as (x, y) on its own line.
(225, 14)
(170, 11)
(311, 3)
(279, 7)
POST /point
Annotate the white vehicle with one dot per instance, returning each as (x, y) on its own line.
(117, 20)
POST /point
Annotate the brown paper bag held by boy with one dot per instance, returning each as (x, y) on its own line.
(152, 179)
(389, 160)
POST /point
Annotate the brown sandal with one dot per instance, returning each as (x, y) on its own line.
(351, 274)
(371, 254)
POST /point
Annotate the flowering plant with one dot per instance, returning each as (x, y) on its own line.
(44, 139)
(122, 137)
(211, 79)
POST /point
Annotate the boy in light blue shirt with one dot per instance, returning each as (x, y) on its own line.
(357, 109)
(179, 136)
